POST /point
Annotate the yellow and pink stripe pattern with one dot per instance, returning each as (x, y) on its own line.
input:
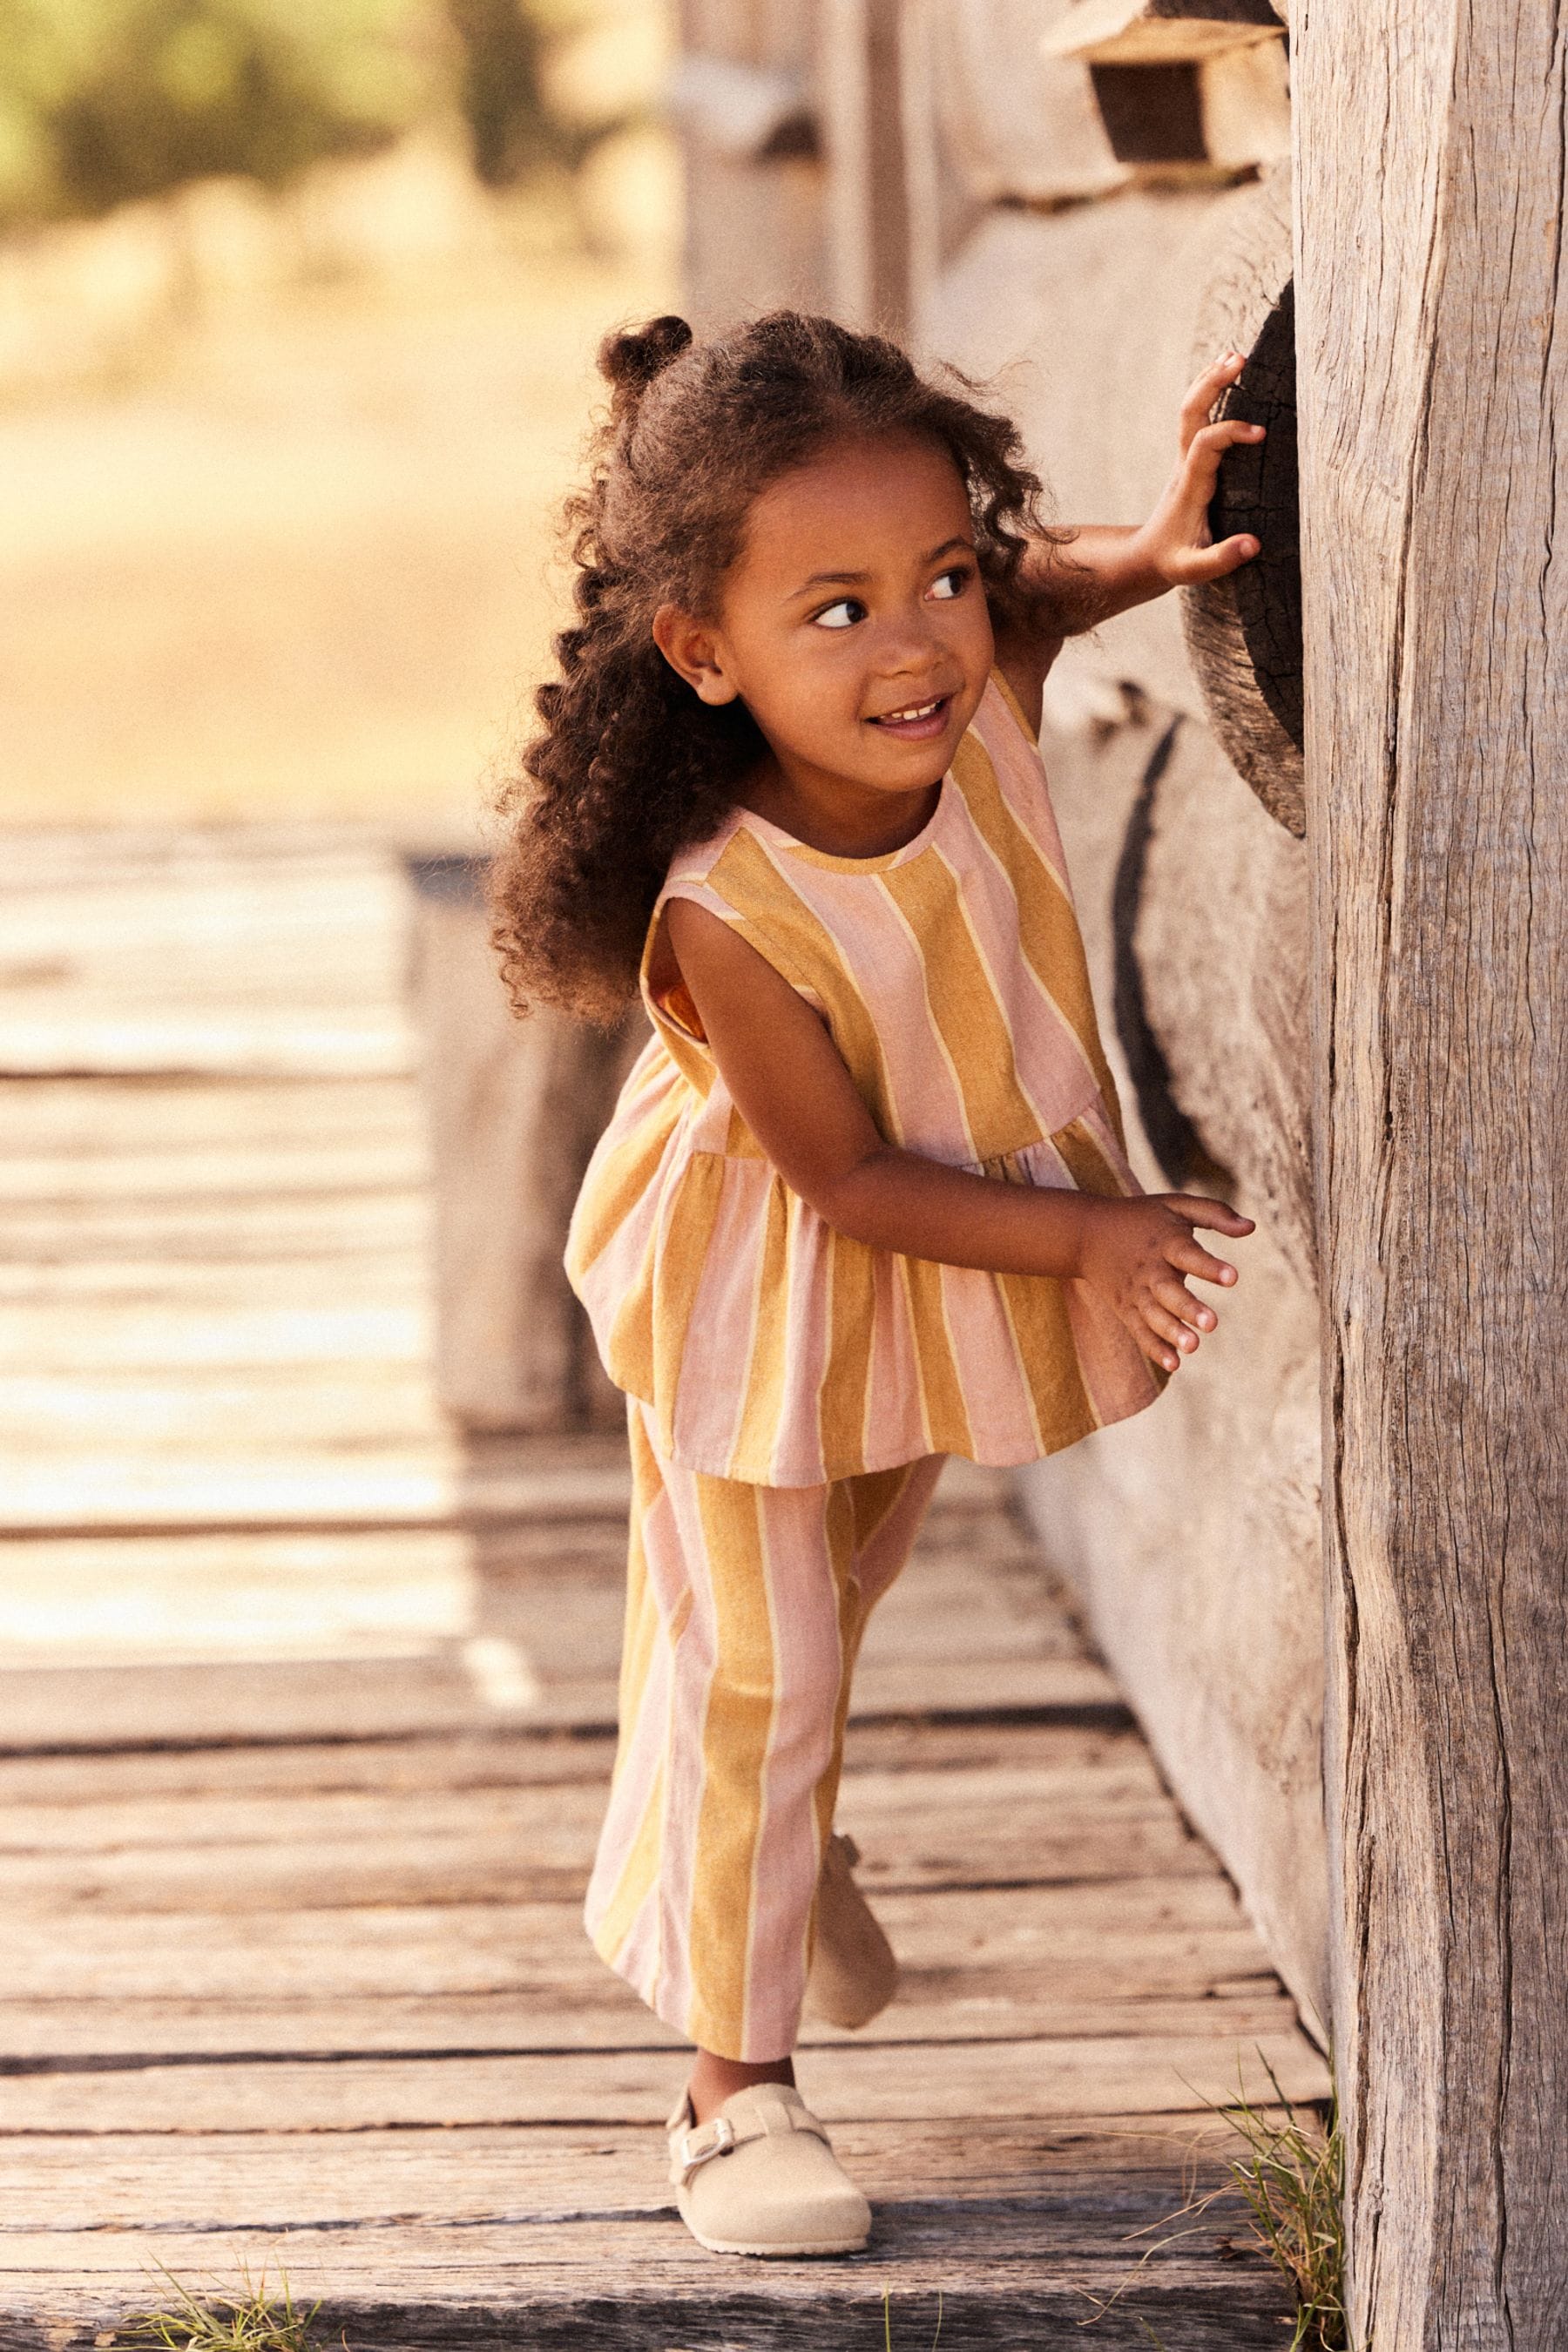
(745, 1606)
(951, 973)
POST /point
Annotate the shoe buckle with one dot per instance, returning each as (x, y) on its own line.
(700, 2146)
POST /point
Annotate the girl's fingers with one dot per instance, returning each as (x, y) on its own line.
(1192, 1258)
(1157, 1351)
(1179, 1300)
(1213, 1216)
(1213, 563)
(1166, 1325)
(1201, 393)
(1209, 444)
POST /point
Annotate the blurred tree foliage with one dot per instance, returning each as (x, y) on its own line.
(103, 101)
(511, 129)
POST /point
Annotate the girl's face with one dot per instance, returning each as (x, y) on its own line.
(855, 628)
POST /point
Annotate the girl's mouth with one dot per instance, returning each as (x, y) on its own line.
(917, 722)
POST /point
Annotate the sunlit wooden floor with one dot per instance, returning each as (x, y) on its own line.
(305, 1723)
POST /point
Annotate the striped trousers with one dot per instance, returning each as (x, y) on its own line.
(745, 1606)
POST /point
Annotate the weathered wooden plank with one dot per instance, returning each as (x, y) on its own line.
(983, 1686)
(1113, 1778)
(478, 1756)
(304, 975)
(516, 2258)
(130, 1493)
(397, 1485)
(502, 1755)
(1106, 2075)
(49, 1338)
(105, 914)
(36, 853)
(564, 2252)
(394, 1278)
(77, 1602)
(977, 2269)
(717, 2318)
(63, 1594)
(443, 1950)
(507, 1853)
(102, 1118)
(378, 1163)
(1087, 2165)
(215, 1233)
(320, 1408)
(104, 1706)
(1431, 297)
(1006, 1808)
(566, 2009)
(267, 1042)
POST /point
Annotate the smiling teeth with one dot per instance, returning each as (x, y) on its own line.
(921, 711)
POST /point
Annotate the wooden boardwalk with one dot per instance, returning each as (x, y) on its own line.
(305, 1723)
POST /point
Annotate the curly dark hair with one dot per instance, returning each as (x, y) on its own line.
(629, 765)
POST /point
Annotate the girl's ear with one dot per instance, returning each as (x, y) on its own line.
(691, 648)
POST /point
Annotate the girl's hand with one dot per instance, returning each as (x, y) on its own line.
(1107, 568)
(1174, 546)
(1137, 1252)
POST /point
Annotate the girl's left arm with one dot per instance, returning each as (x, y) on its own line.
(1106, 568)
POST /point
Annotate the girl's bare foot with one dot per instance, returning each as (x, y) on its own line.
(714, 2080)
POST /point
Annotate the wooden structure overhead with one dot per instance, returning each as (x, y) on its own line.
(1159, 32)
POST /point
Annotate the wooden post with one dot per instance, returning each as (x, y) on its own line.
(514, 1108)
(755, 229)
(1434, 410)
(857, 74)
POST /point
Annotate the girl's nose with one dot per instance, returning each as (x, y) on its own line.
(909, 644)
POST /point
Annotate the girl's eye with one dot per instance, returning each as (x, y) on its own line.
(842, 616)
(950, 584)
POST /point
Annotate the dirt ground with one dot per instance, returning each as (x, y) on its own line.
(300, 566)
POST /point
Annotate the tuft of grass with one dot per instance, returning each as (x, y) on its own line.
(252, 2321)
(1293, 2180)
(1290, 2182)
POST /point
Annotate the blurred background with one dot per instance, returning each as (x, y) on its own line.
(298, 307)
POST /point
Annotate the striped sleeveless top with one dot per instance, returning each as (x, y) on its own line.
(951, 975)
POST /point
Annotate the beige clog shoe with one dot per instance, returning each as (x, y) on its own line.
(854, 1974)
(759, 2178)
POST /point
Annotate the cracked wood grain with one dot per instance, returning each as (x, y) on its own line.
(1434, 392)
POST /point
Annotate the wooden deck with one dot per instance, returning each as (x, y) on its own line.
(305, 1722)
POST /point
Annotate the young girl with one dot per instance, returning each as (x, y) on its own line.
(864, 1202)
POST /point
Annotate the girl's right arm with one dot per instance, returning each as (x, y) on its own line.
(790, 1085)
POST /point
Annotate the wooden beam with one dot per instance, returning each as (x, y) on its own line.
(1434, 407)
(1159, 32)
(858, 76)
(515, 1109)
